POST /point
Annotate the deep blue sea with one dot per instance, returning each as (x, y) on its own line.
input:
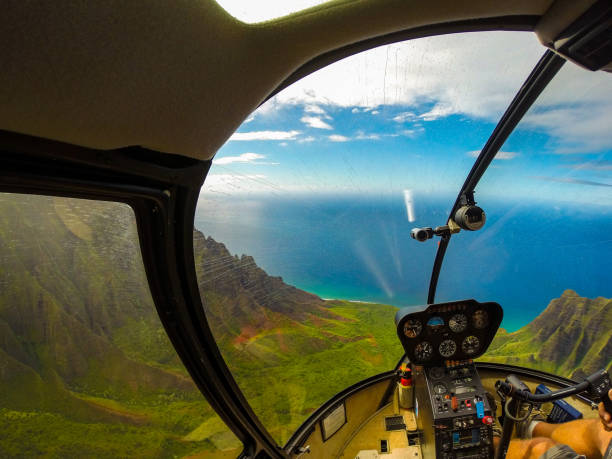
(360, 248)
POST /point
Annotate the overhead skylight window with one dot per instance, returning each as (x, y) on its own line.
(264, 10)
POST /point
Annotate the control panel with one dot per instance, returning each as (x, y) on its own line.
(458, 331)
(451, 398)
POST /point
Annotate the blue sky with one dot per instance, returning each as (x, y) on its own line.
(414, 115)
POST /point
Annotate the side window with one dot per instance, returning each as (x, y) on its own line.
(86, 368)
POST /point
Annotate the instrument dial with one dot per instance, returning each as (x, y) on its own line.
(436, 372)
(412, 328)
(480, 318)
(423, 351)
(458, 323)
(447, 348)
(435, 324)
(470, 345)
(439, 389)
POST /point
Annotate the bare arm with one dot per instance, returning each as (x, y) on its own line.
(606, 418)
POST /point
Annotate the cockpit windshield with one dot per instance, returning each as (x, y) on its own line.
(302, 239)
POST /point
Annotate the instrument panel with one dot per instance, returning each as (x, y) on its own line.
(459, 330)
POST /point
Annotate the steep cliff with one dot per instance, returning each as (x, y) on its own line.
(570, 337)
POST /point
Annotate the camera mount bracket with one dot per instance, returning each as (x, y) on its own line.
(469, 217)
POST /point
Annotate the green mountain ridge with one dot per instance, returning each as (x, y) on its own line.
(570, 337)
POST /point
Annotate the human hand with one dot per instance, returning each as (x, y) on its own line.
(606, 418)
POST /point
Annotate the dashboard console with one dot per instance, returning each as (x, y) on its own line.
(451, 405)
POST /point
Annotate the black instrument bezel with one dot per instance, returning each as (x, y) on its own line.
(446, 311)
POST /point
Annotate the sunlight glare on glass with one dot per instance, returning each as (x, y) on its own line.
(250, 11)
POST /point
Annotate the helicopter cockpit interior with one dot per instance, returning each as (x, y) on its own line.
(366, 229)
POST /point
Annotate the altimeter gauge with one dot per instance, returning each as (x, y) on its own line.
(458, 323)
(412, 328)
(447, 348)
(470, 345)
(423, 351)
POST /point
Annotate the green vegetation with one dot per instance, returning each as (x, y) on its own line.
(284, 390)
(86, 369)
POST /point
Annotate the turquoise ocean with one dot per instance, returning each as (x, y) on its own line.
(359, 248)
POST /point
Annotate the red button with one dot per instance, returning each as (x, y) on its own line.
(487, 420)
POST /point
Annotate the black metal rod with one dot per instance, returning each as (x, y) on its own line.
(435, 273)
(545, 70)
(543, 398)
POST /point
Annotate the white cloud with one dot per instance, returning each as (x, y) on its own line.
(248, 120)
(472, 74)
(405, 116)
(252, 158)
(314, 109)
(315, 122)
(578, 129)
(503, 155)
(598, 165)
(307, 139)
(573, 180)
(338, 138)
(363, 136)
(375, 112)
(243, 158)
(412, 133)
(265, 135)
(440, 110)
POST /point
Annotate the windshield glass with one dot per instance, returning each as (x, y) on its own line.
(545, 251)
(302, 240)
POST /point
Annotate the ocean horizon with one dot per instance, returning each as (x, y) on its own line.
(359, 248)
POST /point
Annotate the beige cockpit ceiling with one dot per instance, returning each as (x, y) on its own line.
(180, 76)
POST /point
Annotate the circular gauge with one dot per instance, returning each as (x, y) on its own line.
(439, 389)
(435, 324)
(436, 372)
(480, 318)
(412, 328)
(447, 348)
(470, 345)
(423, 351)
(458, 323)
